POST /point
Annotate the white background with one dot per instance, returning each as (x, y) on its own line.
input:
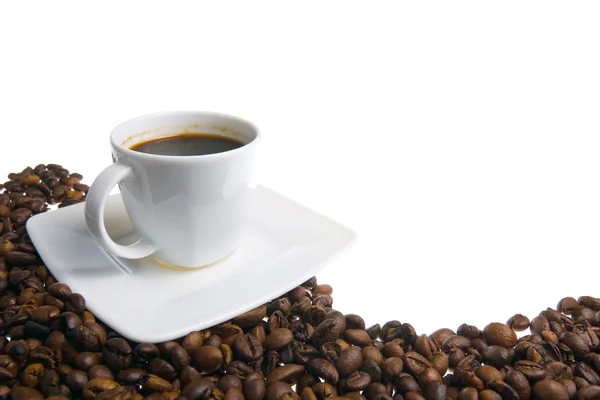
(460, 140)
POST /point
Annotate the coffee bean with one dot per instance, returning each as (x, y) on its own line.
(323, 369)
(349, 361)
(229, 333)
(415, 363)
(179, 358)
(76, 380)
(532, 371)
(207, 359)
(548, 389)
(499, 334)
(96, 386)
(488, 373)
(151, 383)
(162, 368)
(260, 332)
(227, 382)
(19, 259)
(357, 337)
(59, 290)
(86, 360)
(117, 354)
(277, 391)
(254, 387)
(287, 373)
(75, 303)
(247, 347)
(567, 304)
(251, 317)
(278, 339)
(100, 371)
(25, 393)
(357, 381)
(392, 368)
(277, 320)
(32, 374)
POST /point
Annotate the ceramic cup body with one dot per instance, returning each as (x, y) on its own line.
(188, 211)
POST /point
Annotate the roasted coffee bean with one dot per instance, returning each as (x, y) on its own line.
(539, 324)
(496, 356)
(254, 387)
(44, 355)
(277, 391)
(576, 343)
(59, 290)
(357, 381)
(86, 360)
(49, 383)
(251, 317)
(282, 304)
(179, 358)
(239, 368)
(130, 376)
(227, 382)
(488, 373)
(567, 305)
(323, 369)
(518, 322)
(97, 386)
(117, 354)
(357, 337)
(32, 374)
(17, 258)
(393, 348)
(374, 331)
(162, 368)
(151, 383)
(329, 329)
(406, 384)
(532, 371)
(25, 393)
(372, 368)
(349, 361)
(207, 359)
(557, 370)
(192, 341)
(277, 320)
(278, 339)
(300, 306)
(75, 303)
(287, 373)
(247, 347)
(415, 363)
(499, 334)
(77, 379)
(548, 389)
(100, 371)
(392, 368)
(145, 352)
(590, 302)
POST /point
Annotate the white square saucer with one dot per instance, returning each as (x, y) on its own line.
(284, 244)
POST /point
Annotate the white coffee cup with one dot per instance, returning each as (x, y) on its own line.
(188, 211)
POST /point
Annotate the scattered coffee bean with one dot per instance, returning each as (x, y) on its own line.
(58, 350)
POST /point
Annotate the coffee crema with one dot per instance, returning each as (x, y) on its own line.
(188, 144)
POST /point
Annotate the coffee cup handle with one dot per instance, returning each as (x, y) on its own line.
(94, 213)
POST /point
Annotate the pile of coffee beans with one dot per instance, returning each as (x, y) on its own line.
(296, 346)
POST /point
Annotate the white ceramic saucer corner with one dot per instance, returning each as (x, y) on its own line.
(284, 244)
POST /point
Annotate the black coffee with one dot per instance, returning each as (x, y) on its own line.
(192, 144)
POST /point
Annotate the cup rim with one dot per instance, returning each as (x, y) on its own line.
(194, 158)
